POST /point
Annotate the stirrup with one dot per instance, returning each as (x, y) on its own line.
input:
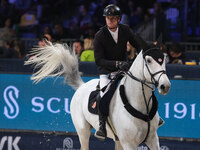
(98, 134)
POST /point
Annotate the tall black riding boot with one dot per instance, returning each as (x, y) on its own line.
(101, 133)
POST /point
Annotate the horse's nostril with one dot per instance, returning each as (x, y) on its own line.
(162, 87)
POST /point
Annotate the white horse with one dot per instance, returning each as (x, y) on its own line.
(147, 70)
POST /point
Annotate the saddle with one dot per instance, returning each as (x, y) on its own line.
(96, 103)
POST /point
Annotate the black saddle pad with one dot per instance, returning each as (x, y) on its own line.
(96, 105)
(93, 103)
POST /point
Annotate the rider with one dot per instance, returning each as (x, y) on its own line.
(110, 44)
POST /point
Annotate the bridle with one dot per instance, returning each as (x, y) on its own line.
(153, 81)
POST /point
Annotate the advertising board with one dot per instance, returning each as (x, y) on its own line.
(46, 141)
(45, 106)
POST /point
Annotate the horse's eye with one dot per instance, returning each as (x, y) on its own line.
(148, 61)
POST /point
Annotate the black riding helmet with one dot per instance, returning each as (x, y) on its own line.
(112, 10)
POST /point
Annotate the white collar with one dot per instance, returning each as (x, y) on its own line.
(116, 31)
(114, 35)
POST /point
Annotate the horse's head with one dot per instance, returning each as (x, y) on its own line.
(154, 67)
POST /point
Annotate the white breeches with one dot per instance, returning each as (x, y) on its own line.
(104, 81)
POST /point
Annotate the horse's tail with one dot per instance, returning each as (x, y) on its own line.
(55, 60)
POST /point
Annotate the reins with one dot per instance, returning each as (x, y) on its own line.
(144, 82)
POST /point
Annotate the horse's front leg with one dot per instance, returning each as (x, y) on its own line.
(127, 145)
(118, 145)
(153, 143)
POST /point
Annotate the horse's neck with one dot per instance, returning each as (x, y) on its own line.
(133, 88)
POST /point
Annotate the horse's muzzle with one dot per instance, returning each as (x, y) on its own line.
(163, 89)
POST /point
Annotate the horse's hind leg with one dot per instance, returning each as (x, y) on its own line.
(83, 129)
(84, 136)
(153, 143)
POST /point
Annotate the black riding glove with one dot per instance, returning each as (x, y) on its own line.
(123, 65)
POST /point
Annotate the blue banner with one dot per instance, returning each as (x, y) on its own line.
(45, 106)
(42, 106)
(52, 141)
(47, 141)
(181, 109)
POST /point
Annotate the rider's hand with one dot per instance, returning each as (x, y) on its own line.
(122, 65)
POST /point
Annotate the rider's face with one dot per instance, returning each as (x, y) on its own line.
(112, 21)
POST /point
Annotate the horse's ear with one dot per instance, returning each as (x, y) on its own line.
(143, 45)
(159, 40)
